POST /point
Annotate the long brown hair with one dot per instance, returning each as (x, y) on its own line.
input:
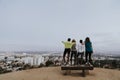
(73, 41)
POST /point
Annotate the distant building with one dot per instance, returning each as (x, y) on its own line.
(2, 57)
(34, 60)
(38, 59)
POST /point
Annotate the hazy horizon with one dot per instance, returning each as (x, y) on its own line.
(39, 25)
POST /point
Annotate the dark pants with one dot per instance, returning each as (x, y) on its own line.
(66, 52)
(88, 54)
(74, 53)
(80, 59)
(80, 54)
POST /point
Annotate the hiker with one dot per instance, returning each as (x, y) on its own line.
(81, 51)
(67, 50)
(88, 50)
(73, 52)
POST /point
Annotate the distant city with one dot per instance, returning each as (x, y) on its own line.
(21, 60)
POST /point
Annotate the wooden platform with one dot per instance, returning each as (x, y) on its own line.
(84, 68)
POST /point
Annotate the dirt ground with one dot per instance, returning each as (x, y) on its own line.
(55, 73)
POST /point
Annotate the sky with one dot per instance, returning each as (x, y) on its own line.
(41, 25)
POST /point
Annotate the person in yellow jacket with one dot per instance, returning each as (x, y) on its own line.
(67, 50)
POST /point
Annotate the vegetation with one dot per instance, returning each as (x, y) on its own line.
(49, 63)
(112, 64)
(41, 65)
(27, 66)
(4, 70)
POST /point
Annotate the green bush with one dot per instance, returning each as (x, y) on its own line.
(49, 63)
(41, 65)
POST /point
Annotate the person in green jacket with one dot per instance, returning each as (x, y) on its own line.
(67, 50)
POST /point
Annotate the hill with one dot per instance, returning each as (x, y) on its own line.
(55, 73)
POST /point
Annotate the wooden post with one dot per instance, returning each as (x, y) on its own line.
(66, 72)
(83, 72)
(87, 71)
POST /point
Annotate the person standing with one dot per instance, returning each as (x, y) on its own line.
(67, 50)
(88, 50)
(81, 51)
(73, 52)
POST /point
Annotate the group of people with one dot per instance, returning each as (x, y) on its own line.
(78, 51)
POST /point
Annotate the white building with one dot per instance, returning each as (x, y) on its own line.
(34, 60)
(2, 57)
(38, 59)
(27, 60)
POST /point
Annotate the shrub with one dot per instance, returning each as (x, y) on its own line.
(49, 63)
(41, 65)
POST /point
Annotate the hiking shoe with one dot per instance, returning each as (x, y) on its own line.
(67, 65)
(90, 64)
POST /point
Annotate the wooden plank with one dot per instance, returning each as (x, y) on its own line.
(80, 67)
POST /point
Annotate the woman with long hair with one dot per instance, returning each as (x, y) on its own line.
(88, 50)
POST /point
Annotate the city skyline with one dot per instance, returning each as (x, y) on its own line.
(41, 25)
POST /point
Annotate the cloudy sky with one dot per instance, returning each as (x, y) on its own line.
(43, 24)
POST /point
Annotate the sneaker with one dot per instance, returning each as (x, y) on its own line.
(63, 64)
(87, 64)
(90, 64)
(68, 65)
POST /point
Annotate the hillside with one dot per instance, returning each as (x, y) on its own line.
(54, 73)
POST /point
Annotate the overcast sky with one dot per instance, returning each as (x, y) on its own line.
(43, 24)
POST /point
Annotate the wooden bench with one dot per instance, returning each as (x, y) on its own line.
(84, 68)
